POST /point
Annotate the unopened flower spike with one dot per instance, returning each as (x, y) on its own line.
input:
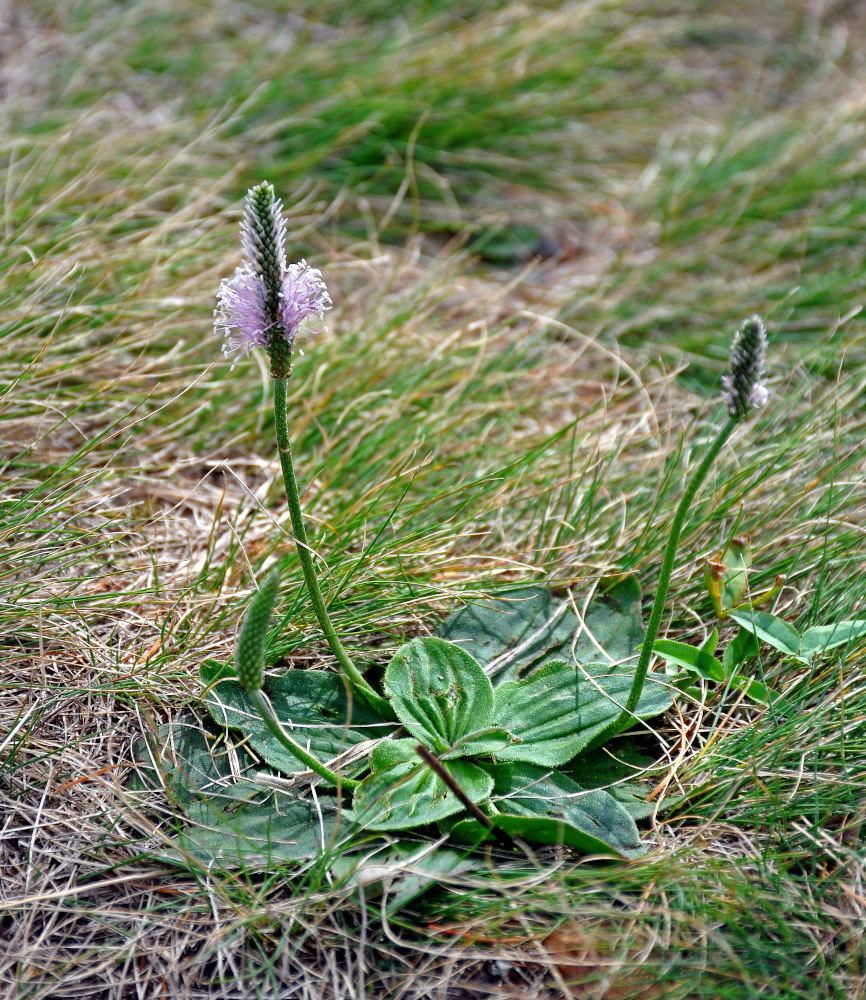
(266, 302)
(744, 391)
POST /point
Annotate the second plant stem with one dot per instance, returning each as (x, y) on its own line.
(305, 555)
(627, 714)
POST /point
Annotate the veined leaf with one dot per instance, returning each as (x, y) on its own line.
(549, 808)
(528, 627)
(188, 759)
(597, 822)
(402, 791)
(619, 772)
(560, 710)
(774, 631)
(443, 697)
(312, 705)
(253, 827)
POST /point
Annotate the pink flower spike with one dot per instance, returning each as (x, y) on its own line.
(267, 302)
(302, 295)
(241, 316)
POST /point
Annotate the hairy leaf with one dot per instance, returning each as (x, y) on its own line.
(311, 704)
(618, 770)
(188, 759)
(596, 822)
(525, 628)
(403, 791)
(253, 827)
(443, 697)
(560, 710)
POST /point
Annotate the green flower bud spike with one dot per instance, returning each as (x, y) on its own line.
(743, 394)
(250, 652)
(250, 669)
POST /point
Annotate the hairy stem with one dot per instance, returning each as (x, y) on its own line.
(375, 701)
(652, 631)
(266, 711)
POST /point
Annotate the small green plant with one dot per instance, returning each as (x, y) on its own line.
(726, 579)
(489, 729)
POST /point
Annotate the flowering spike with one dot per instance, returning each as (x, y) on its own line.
(266, 302)
(743, 389)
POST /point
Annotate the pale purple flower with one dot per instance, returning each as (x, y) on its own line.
(302, 295)
(241, 315)
(267, 302)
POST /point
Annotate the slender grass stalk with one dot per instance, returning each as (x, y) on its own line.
(375, 700)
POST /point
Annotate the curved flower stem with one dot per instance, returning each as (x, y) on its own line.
(266, 711)
(375, 700)
(627, 714)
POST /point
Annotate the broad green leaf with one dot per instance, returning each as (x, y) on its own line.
(528, 627)
(820, 638)
(560, 710)
(595, 821)
(312, 706)
(486, 743)
(442, 696)
(188, 759)
(691, 658)
(619, 772)
(738, 650)
(590, 822)
(489, 629)
(248, 826)
(402, 791)
(774, 631)
(613, 623)
(231, 823)
(754, 689)
(403, 870)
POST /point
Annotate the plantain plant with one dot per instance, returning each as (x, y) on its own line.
(490, 730)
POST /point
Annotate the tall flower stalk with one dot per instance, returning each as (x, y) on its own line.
(744, 392)
(266, 304)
